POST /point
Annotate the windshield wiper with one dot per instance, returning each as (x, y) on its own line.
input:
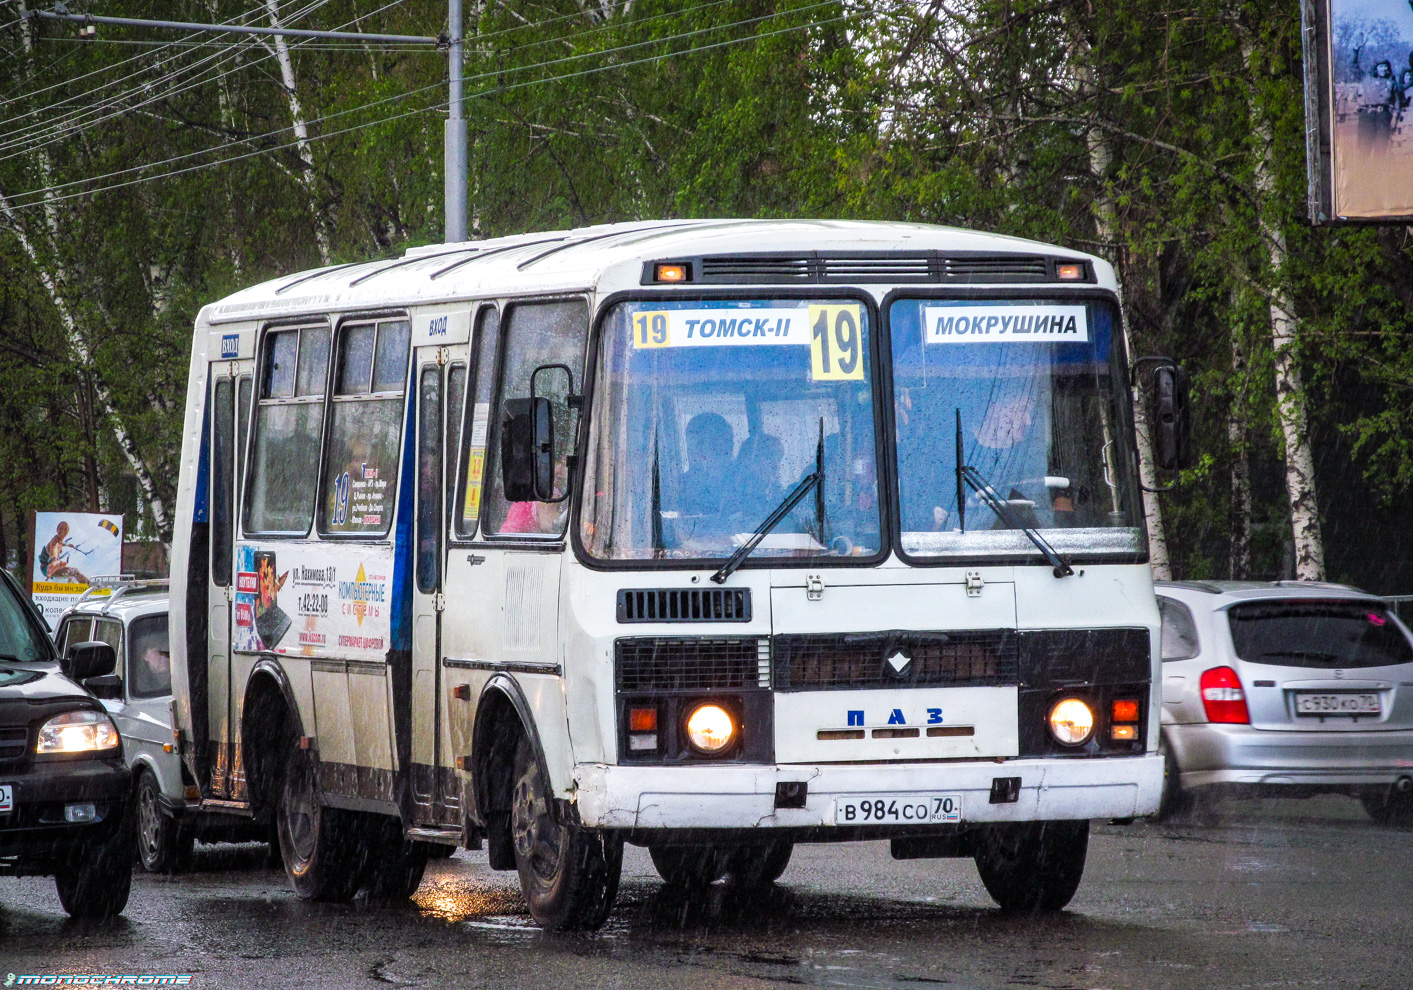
(968, 475)
(816, 478)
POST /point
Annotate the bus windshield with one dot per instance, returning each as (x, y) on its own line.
(1033, 393)
(707, 414)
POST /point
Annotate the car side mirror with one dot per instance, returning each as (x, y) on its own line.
(527, 450)
(107, 686)
(1171, 418)
(91, 659)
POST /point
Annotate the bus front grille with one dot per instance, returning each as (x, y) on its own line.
(657, 664)
(844, 661)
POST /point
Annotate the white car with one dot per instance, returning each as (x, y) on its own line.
(131, 616)
(1286, 689)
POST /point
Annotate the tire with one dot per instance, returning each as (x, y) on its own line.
(759, 866)
(97, 886)
(690, 867)
(1388, 808)
(569, 875)
(163, 846)
(318, 844)
(1033, 867)
(1174, 799)
(395, 866)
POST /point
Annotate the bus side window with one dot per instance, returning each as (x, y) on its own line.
(289, 419)
(243, 391)
(222, 480)
(478, 418)
(537, 334)
(365, 428)
(429, 476)
(455, 396)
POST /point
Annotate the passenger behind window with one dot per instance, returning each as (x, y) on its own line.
(758, 471)
(539, 517)
(705, 488)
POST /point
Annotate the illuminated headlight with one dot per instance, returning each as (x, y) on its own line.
(77, 732)
(710, 729)
(1071, 721)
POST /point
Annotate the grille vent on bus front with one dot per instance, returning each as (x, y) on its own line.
(886, 267)
(684, 605)
(652, 663)
(862, 660)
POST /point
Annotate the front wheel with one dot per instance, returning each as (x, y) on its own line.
(318, 844)
(162, 845)
(1033, 866)
(569, 875)
(98, 885)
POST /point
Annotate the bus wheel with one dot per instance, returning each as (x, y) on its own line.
(689, 867)
(317, 843)
(397, 865)
(569, 875)
(759, 866)
(1032, 866)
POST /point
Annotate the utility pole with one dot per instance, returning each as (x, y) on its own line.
(454, 191)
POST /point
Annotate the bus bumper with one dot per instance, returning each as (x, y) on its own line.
(744, 796)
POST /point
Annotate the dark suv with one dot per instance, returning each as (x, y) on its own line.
(64, 791)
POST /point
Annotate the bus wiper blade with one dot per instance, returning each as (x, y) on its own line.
(988, 495)
(771, 521)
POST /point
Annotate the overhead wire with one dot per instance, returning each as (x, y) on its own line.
(437, 85)
(47, 192)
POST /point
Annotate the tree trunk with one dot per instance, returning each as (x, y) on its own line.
(1240, 552)
(301, 131)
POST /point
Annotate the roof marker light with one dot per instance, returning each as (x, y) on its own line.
(672, 273)
(1069, 272)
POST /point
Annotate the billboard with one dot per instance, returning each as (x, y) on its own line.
(1358, 117)
(69, 550)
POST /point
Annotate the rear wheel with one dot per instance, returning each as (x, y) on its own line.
(759, 866)
(569, 875)
(1389, 807)
(1033, 866)
(318, 844)
(97, 886)
(689, 867)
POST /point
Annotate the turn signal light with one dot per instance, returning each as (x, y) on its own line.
(672, 273)
(1222, 696)
(642, 720)
(1124, 733)
(1125, 710)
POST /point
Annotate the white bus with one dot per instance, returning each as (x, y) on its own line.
(708, 536)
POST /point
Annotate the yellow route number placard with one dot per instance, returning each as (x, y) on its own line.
(836, 342)
(650, 330)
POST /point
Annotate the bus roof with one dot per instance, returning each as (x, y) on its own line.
(610, 257)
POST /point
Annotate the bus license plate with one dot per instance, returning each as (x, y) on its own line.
(7, 799)
(897, 809)
(1344, 703)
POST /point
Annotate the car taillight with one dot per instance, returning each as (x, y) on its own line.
(1222, 696)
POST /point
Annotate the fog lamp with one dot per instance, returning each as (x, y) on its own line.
(78, 813)
(1071, 721)
(710, 729)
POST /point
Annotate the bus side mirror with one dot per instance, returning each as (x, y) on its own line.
(91, 659)
(527, 450)
(1171, 418)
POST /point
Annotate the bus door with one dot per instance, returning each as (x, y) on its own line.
(230, 409)
(440, 374)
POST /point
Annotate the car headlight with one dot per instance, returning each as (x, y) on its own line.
(77, 732)
(1071, 721)
(710, 729)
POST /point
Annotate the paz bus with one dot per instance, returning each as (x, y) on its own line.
(708, 536)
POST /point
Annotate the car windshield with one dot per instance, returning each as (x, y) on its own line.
(1321, 634)
(708, 414)
(1033, 391)
(20, 636)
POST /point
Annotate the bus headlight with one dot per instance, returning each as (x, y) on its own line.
(1071, 721)
(77, 732)
(710, 729)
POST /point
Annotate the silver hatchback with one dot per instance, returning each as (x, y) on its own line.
(1289, 689)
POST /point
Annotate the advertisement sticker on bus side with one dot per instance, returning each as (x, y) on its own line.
(317, 601)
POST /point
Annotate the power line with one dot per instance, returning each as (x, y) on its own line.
(387, 120)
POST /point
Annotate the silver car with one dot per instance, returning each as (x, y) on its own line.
(132, 618)
(1289, 689)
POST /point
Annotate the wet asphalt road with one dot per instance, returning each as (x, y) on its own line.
(1277, 894)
